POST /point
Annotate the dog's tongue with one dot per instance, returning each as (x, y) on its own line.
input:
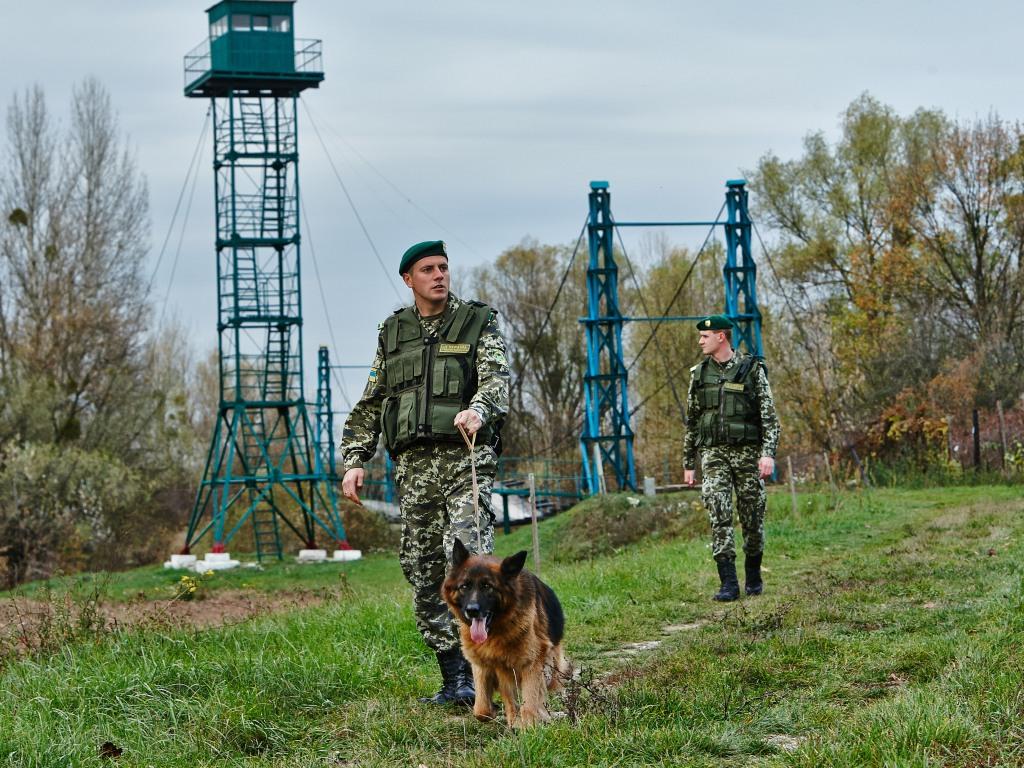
(478, 630)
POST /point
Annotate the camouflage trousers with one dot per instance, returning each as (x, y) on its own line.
(725, 469)
(435, 488)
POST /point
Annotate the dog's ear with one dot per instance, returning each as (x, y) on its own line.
(513, 564)
(459, 553)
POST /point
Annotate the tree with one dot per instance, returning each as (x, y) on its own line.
(73, 306)
(969, 220)
(546, 354)
(898, 268)
(99, 413)
(847, 270)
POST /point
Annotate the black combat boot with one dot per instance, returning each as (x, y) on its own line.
(456, 680)
(730, 589)
(752, 566)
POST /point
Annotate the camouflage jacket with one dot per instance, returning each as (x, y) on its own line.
(770, 428)
(362, 428)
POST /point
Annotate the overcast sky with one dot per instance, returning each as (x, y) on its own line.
(491, 119)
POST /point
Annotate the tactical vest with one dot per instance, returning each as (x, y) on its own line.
(429, 379)
(729, 413)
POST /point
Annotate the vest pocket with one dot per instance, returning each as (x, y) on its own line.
(741, 433)
(407, 414)
(389, 421)
(442, 418)
(709, 396)
(440, 372)
(453, 376)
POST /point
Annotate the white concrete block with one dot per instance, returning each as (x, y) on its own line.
(202, 566)
(181, 561)
(312, 556)
(214, 557)
(344, 555)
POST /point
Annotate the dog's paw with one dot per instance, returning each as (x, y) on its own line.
(484, 715)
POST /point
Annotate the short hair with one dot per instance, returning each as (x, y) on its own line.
(728, 334)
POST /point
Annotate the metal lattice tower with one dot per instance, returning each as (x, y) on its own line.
(740, 271)
(262, 468)
(607, 437)
(607, 434)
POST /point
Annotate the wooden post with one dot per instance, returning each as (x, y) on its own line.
(949, 437)
(1002, 433)
(792, 486)
(831, 480)
(533, 520)
(977, 439)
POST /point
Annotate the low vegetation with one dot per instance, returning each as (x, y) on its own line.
(891, 634)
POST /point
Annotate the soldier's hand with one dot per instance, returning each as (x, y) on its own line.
(469, 420)
(765, 466)
(690, 477)
(352, 484)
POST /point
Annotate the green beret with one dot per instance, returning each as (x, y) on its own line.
(715, 323)
(421, 251)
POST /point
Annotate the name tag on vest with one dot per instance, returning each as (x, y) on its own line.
(732, 386)
(453, 349)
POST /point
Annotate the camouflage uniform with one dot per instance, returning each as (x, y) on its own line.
(725, 468)
(434, 479)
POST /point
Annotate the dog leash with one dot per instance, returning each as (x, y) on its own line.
(471, 445)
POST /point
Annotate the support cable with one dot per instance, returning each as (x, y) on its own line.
(181, 235)
(323, 299)
(643, 303)
(547, 317)
(398, 191)
(181, 195)
(679, 290)
(782, 289)
(352, 204)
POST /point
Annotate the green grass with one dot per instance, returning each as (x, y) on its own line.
(891, 633)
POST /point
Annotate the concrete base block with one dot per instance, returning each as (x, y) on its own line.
(312, 556)
(344, 555)
(181, 561)
(216, 561)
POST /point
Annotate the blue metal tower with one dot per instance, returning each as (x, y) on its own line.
(261, 469)
(741, 275)
(607, 433)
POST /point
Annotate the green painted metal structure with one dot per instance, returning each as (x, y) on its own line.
(262, 468)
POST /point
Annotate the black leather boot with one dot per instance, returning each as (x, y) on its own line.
(456, 680)
(730, 589)
(752, 567)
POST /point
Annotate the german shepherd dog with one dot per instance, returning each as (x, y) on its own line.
(511, 625)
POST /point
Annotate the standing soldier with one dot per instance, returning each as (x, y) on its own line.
(731, 422)
(440, 365)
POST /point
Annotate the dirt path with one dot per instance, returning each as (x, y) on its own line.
(23, 620)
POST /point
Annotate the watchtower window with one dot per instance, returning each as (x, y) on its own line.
(241, 22)
(260, 23)
(279, 23)
(219, 27)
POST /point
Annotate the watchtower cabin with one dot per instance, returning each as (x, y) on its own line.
(252, 48)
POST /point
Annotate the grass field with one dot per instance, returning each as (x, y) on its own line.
(891, 633)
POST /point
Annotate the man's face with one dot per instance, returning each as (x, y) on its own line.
(710, 341)
(428, 278)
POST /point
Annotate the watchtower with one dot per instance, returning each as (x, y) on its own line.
(261, 468)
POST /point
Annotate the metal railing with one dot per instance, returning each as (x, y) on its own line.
(308, 59)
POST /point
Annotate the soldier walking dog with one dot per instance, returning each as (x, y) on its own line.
(440, 366)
